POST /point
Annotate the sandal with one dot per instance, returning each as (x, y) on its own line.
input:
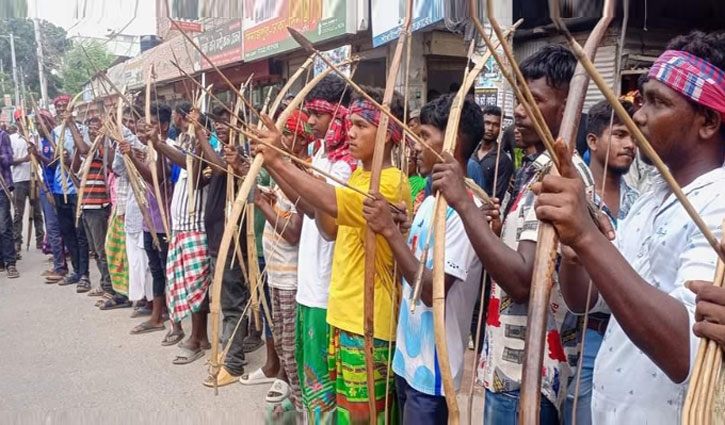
(256, 378)
(225, 378)
(188, 355)
(147, 327)
(98, 292)
(172, 337)
(116, 302)
(277, 392)
(105, 297)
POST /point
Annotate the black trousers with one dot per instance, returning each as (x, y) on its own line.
(74, 237)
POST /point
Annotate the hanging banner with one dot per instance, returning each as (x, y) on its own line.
(265, 23)
(387, 17)
(223, 44)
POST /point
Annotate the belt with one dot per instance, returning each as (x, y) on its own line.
(598, 324)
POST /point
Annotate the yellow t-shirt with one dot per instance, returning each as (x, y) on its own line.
(347, 283)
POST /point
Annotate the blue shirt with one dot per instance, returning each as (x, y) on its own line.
(69, 147)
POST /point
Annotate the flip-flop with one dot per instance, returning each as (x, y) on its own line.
(116, 302)
(277, 392)
(146, 327)
(188, 356)
(256, 378)
(172, 338)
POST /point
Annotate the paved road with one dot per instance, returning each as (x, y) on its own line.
(66, 362)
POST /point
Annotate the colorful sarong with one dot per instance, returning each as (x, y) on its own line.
(312, 342)
(187, 273)
(116, 255)
(284, 310)
(346, 362)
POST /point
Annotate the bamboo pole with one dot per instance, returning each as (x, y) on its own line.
(546, 248)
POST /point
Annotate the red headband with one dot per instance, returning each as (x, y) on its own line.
(692, 77)
(371, 113)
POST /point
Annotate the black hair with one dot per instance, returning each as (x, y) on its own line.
(707, 46)
(218, 111)
(161, 111)
(332, 89)
(600, 115)
(397, 107)
(436, 113)
(555, 62)
(183, 108)
(640, 82)
(135, 112)
(492, 110)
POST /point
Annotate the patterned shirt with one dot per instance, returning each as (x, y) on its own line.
(666, 249)
(6, 159)
(123, 186)
(501, 364)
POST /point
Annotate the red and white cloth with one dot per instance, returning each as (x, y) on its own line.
(187, 273)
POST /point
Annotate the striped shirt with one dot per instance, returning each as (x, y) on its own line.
(95, 194)
(181, 218)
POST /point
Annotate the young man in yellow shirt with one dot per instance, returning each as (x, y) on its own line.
(339, 214)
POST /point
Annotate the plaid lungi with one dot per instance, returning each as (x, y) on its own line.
(187, 273)
(346, 361)
(116, 255)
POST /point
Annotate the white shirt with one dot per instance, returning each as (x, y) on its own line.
(663, 245)
(21, 172)
(280, 256)
(416, 355)
(313, 272)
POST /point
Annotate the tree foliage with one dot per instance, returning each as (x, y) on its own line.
(77, 68)
(55, 45)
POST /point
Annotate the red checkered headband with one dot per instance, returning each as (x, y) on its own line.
(371, 113)
(337, 131)
(693, 77)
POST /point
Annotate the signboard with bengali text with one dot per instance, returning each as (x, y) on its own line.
(266, 21)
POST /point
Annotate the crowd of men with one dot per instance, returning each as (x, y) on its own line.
(648, 264)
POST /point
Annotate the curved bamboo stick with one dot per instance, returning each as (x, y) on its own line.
(153, 160)
(233, 225)
(546, 247)
(370, 235)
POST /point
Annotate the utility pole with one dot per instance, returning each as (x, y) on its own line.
(2, 76)
(41, 73)
(15, 70)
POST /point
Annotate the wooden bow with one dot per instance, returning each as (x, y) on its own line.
(153, 159)
(61, 148)
(238, 207)
(370, 235)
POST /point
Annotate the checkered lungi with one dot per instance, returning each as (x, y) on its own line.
(187, 273)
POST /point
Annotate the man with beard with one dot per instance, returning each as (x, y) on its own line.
(485, 159)
(612, 154)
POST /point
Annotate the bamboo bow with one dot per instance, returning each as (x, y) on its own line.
(153, 159)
